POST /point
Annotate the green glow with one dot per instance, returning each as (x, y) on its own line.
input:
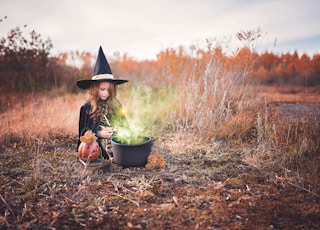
(139, 111)
(127, 137)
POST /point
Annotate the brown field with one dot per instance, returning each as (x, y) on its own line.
(237, 156)
(290, 94)
(258, 170)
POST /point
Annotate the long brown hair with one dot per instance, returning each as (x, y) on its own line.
(96, 112)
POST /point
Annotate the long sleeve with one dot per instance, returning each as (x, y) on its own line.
(86, 123)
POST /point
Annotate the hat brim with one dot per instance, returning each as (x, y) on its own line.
(85, 84)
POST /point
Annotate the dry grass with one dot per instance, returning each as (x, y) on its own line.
(289, 94)
(43, 184)
(289, 133)
(208, 97)
(216, 113)
(201, 181)
(230, 154)
(228, 147)
(41, 118)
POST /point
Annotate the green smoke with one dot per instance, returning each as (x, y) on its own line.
(139, 109)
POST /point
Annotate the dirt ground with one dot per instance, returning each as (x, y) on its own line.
(203, 186)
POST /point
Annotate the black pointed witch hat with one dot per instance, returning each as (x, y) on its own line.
(101, 72)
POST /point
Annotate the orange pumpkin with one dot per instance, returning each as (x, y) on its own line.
(89, 151)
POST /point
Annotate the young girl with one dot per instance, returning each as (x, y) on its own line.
(102, 113)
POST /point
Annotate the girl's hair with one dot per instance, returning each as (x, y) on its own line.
(96, 112)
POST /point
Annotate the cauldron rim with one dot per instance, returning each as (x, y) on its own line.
(134, 155)
(142, 143)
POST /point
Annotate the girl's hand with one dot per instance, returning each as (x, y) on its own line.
(106, 132)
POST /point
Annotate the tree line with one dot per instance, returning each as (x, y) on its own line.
(26, 65)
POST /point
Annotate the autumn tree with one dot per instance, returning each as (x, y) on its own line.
(24, 62)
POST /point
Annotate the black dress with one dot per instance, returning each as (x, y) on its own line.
(109, 119)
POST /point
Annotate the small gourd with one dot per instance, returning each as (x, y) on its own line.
(89, 149)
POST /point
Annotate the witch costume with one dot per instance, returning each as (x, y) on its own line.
(107, 117)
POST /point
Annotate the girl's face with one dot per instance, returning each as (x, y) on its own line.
(104, 90)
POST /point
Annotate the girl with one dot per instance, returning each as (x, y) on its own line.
(102, 113)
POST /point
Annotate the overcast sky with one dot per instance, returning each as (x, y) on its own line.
(142, 28)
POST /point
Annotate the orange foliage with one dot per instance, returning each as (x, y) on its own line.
(173, 66)
(127, 65)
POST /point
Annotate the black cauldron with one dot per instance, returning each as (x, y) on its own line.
(131, 155)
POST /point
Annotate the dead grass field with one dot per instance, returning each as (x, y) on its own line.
(207, 184)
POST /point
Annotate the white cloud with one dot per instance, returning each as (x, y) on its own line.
(142, 28)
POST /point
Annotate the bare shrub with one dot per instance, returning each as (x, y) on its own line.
(293, 127)
(211, 92)
(288, 133)
(27, 57)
